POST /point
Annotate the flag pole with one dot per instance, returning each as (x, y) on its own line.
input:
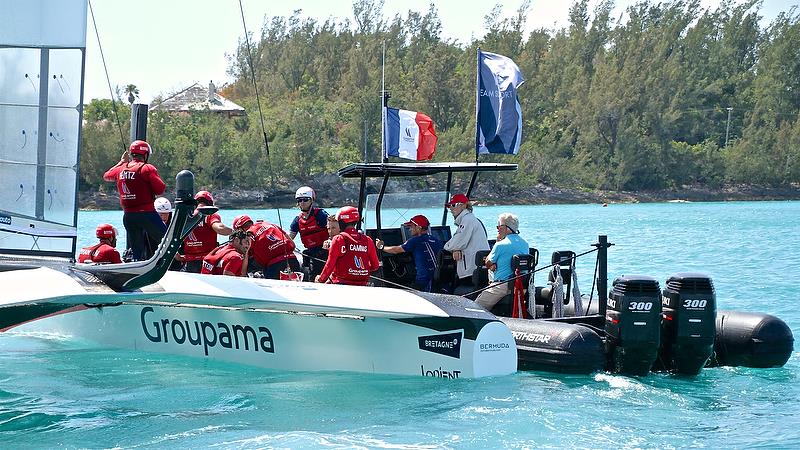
(477, 102)
(384, 102)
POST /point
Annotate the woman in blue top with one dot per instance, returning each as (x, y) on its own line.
(509, 243)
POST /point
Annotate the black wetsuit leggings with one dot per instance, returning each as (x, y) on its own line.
(144, 231)
(314, 259)
(273, 271)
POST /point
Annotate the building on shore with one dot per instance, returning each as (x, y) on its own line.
(196, 98)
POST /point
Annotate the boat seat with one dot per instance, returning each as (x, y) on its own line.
(479, 279)
(399, 268)
(445, 275)
(544, 294)
(480, 276)
(526, 265)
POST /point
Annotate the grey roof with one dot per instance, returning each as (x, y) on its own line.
(198, 98)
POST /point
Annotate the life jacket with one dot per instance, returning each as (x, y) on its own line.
(215, 261)
(97, 254)
(355, 262)
(311, 233)
(271, 244)
(202, 239)
(135, 191)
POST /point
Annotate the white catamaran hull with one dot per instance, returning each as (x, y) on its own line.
(271, 324)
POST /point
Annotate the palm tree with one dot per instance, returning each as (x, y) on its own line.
(133, 93)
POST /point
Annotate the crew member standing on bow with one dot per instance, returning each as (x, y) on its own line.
(311, 223)
(231, 258)
(103, 252)
(138, 184)
(203, 237)
(272, 250)
(352, 256)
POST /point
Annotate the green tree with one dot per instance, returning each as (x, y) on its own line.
(132, 92)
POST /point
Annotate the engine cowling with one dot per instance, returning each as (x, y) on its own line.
(633, 324)
(689, 308)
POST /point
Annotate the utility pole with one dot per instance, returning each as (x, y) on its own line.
(728, 126)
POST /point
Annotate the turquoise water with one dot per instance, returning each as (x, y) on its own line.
(60, 393)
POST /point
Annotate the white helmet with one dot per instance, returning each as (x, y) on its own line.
(305, 192)
(163, 205)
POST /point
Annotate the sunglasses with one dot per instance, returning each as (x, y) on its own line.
(453, 205)
(500, 226)
(303, 200)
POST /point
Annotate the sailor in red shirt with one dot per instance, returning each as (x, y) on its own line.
(203, 237)
(231, 258)
(139, 184)
(272, 250)
(103, 252)
(352, 255)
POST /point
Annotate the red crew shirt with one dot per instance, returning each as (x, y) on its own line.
(138, 184)
(351, 258)
(99, 253)
(225, 257)
(202, 239)
(271, 244)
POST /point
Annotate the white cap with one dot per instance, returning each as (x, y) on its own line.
(305, 192)
(162, 205)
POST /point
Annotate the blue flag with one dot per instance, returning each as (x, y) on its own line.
(499, 128)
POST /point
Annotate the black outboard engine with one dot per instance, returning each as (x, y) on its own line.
(687, 330)
(633, 324)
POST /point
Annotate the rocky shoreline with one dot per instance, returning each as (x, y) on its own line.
(331, 190)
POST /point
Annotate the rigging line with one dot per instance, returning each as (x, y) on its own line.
(498, 283)
(397, 285)
(594, 281)
(260, 112)
(108, 79)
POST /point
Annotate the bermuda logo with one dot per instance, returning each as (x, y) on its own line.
(444, 344)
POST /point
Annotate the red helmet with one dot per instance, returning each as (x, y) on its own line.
(105, 231)
(348, 214)
(205, 196)
(240, 222)
(140, 148)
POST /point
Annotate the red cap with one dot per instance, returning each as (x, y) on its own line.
(458, 198)
(240, 222)
(418, 220)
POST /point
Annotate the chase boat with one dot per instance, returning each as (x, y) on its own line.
(633, 328)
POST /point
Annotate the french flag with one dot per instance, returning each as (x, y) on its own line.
(409, 135)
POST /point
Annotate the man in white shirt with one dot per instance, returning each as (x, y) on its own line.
(470, 237)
